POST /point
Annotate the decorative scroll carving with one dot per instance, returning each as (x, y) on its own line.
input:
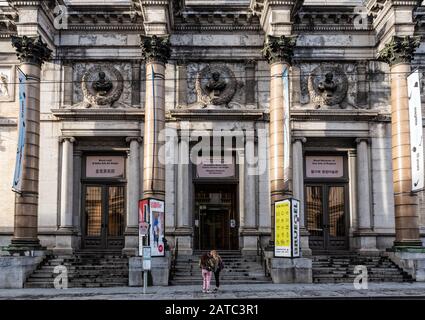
(215, 85)
(327, 85)
(31, 49)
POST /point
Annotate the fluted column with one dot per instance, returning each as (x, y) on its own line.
(156, 51)
(32, 52)
(278, 51)
(67, 186)
(398, 53)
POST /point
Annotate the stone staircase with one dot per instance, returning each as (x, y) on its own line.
(85, 269)
(340, 269)
(238, 269)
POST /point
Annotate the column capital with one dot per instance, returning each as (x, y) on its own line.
(364, 139)
(302, 139)
(399, 50)
(31, 49)
(130, 139)
(64, 138)
(279, 49)
(155, 49)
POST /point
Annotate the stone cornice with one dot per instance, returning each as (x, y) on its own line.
(399, 50)
(339, 115)
(224, 115)
(98, 114)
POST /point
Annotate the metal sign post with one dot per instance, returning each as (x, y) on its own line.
(146, 266)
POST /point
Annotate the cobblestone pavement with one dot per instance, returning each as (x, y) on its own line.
(254, 291)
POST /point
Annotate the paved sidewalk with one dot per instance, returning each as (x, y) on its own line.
(254, 291)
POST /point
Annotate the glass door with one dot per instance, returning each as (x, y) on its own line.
(326, 216)
(104, 216)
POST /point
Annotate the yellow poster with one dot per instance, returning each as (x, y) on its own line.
(283, 227)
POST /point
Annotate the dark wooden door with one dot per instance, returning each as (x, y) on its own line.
(326, 208)
(104, 216)
(215, 229)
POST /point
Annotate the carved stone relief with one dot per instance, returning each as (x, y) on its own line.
(215, 86)
(7, 79)
(329, 86)
(102, 85)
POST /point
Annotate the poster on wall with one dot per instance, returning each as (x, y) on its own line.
(324, 166)
(17, 177)
(143, 223)
(416, 131)
(157, 227)
(287, 235)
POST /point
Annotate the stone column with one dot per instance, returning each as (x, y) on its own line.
(32, 52)
(156, 51)
(278, 51)
(298, 188)
(65, 239)
(398, 53)
(184, 229)
(133, 192)
(367, 239)
(249, 232)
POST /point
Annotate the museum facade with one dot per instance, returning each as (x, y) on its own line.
(220, 109)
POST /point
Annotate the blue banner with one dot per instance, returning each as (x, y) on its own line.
(17, 178)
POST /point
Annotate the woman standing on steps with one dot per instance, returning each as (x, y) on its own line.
(218, 266)
(207, 266)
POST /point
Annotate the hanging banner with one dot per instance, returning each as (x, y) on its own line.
(286, 125)
(17, 178)
(287, 229)
(416, 131)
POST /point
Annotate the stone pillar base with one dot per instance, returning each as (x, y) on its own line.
(305, 246)
(249, 242)
(185, 243)
(135, 271)
(161, 269)
(295, 270)
(131, 246)
(366, 244)
(14, 270)
(411, 260)
(66, 242)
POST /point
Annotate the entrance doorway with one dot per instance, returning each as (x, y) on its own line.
(215, 217)
(326, 201)
(325, 212)
(103, 216)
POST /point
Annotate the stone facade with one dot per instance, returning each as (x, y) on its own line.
(95, 91)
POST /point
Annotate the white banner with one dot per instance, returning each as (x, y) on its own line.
(287, 229)
(416, 131)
